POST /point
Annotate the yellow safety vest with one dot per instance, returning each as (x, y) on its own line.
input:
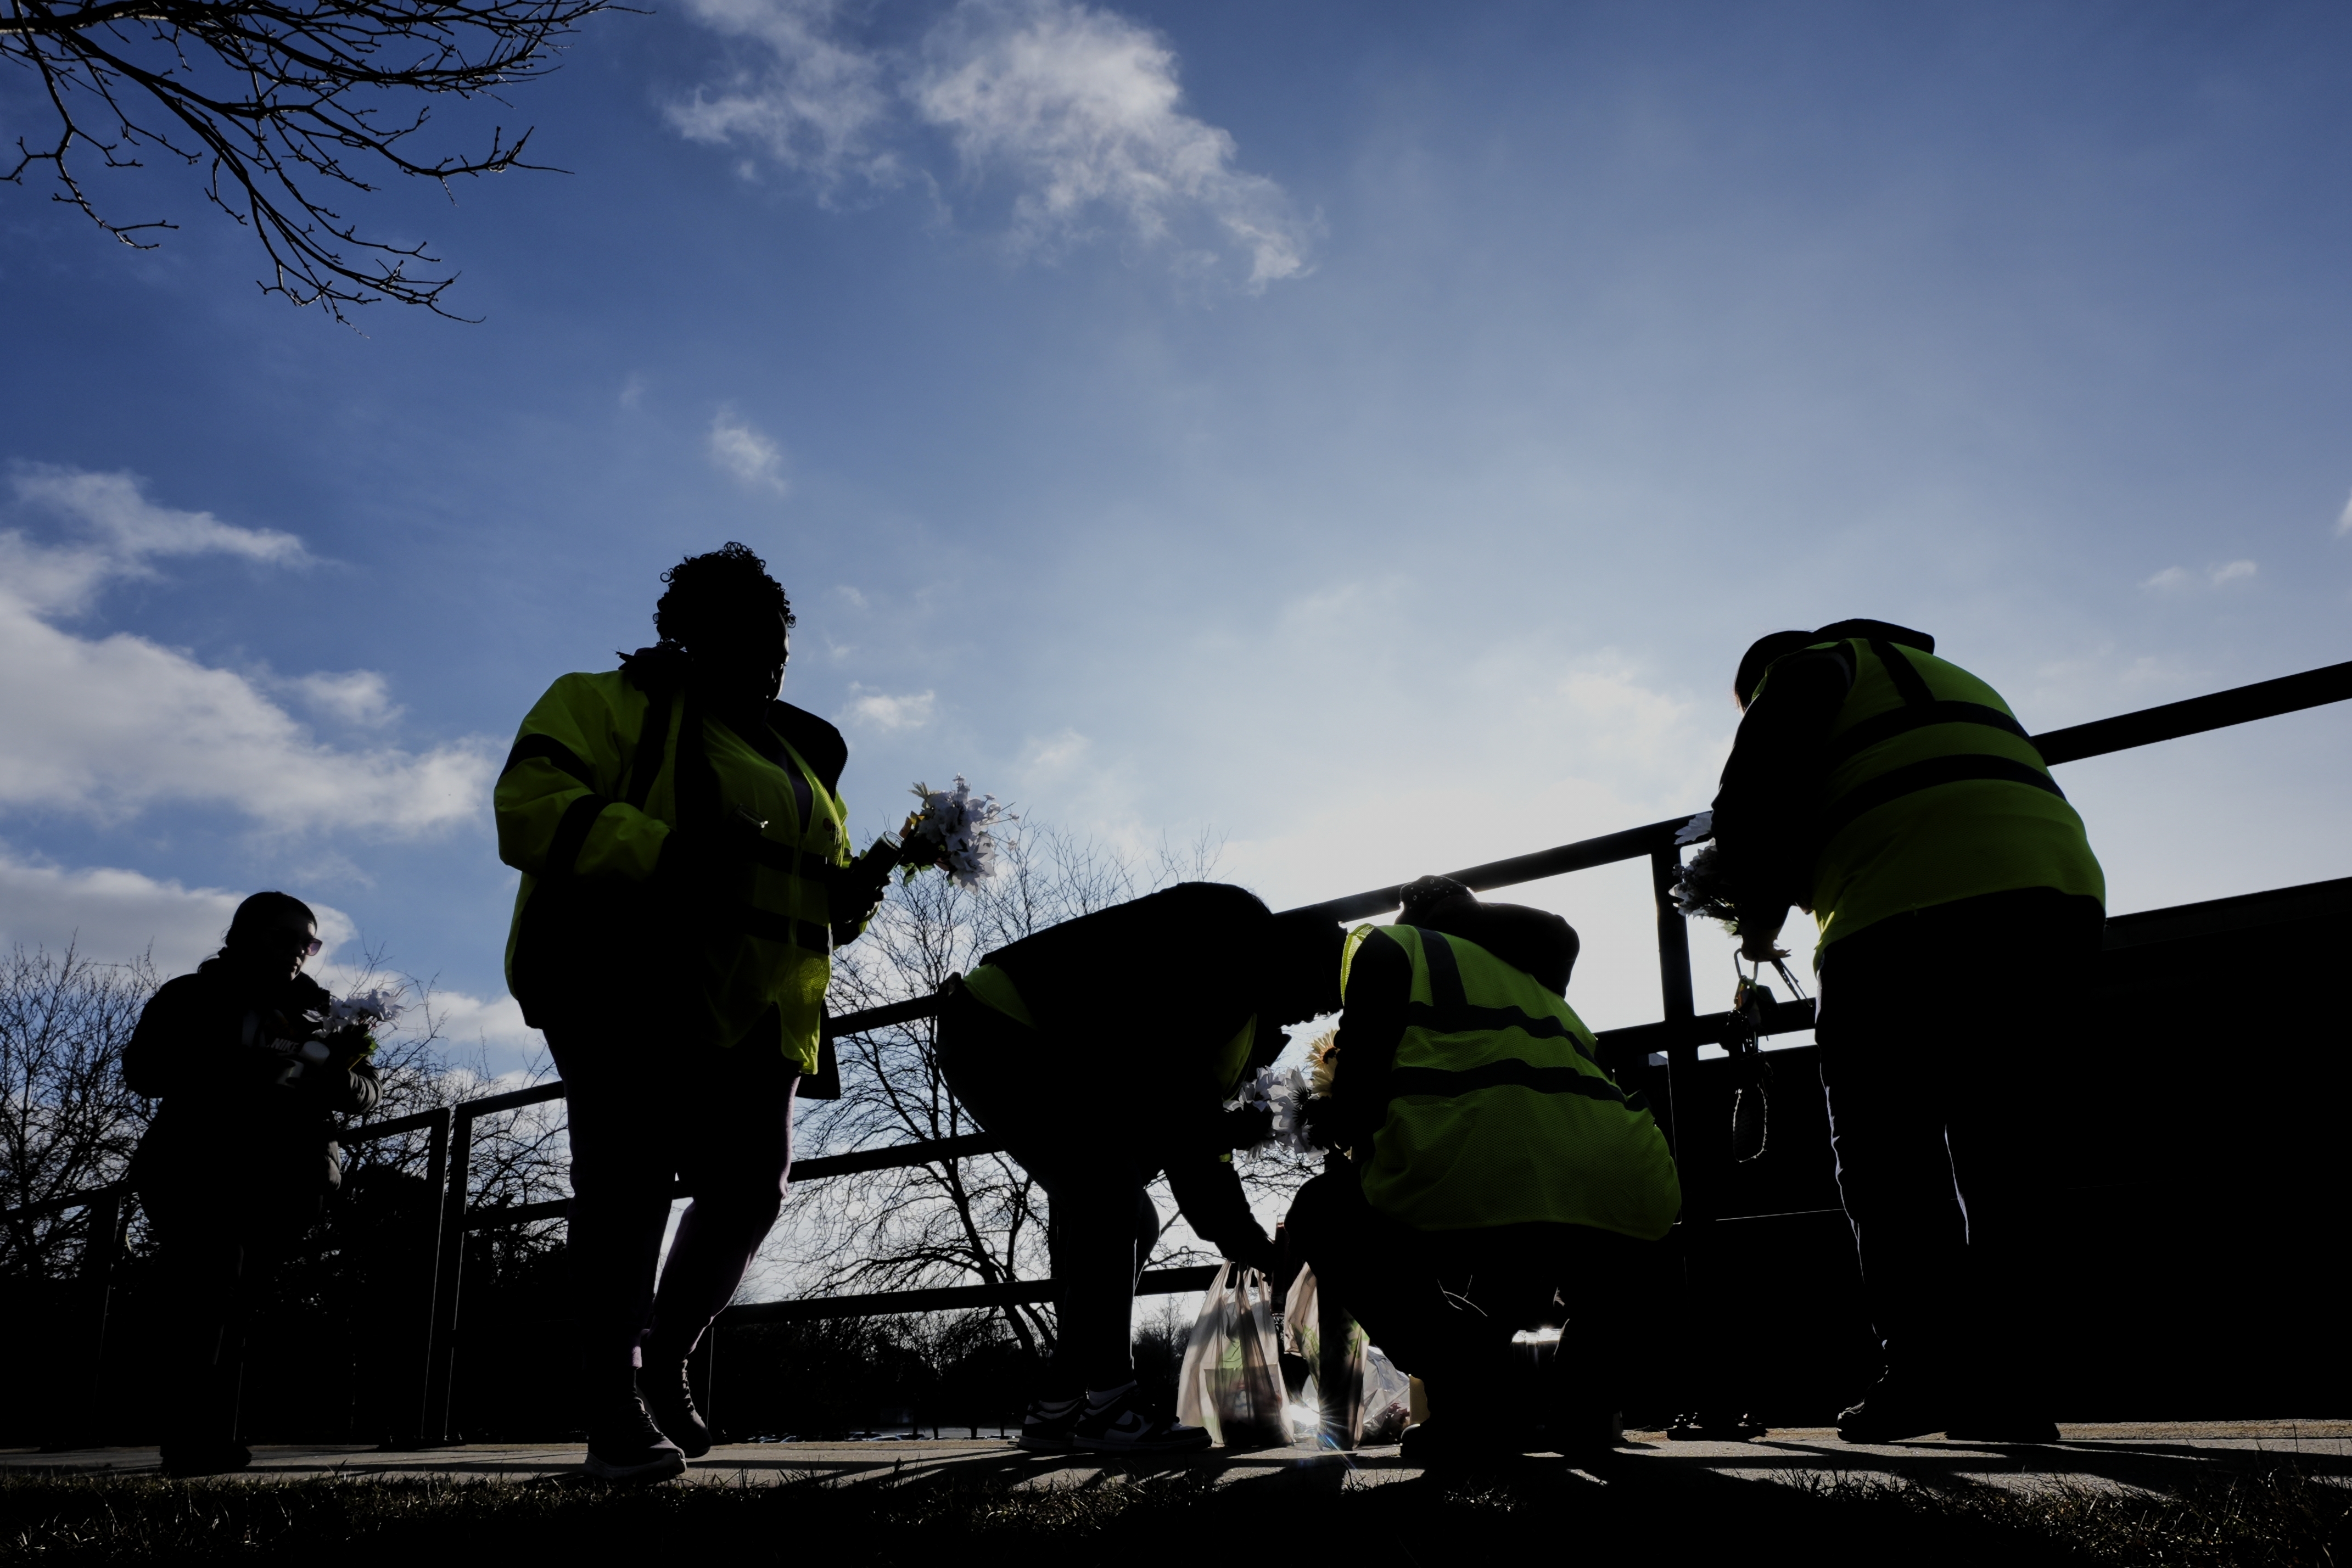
(1933, 793)
(584, 807)
(1500, 1112)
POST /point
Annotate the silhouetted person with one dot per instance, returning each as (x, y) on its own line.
(1896, 797)
(241, 1154)
(1101, 1051)
(684, 881)
(1500, 1180)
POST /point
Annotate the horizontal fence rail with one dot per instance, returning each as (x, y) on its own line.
(1675, 1040)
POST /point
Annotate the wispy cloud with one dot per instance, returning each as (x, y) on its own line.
(121, 531)
(819, 105)
(1076, 108)
(107, 726)
(357, 697)
(881, 710)
(2344, 521)
(113, 915)
(2178, 577)
(745, 453)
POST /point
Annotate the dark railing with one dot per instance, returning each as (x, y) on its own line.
(1675, 1039)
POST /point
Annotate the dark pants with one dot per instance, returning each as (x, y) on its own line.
(220, 1238)
(644, 1114)
(1932, 1027)
(1100, 1223)
(1444, 1304)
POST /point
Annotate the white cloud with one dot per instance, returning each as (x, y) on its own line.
(881, 710)
(110, 726)
(821, 106)
(1077, 106)
(2175, 577)
(361, 697)
(122, 529)
(2344, 520)
(745, 453)
(113, 915)
(491, 1023)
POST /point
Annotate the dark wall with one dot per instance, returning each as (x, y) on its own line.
(2197, 1123)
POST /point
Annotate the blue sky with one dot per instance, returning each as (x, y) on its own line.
(1367, 434)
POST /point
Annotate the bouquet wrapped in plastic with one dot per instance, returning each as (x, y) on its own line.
(953, 830)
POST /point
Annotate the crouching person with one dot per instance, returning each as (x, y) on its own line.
(1500, 1180)
(1101, 1051)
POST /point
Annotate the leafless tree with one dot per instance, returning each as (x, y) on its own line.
(67, 1122)
(958, 1219)
(290, 106)
(521, 1156)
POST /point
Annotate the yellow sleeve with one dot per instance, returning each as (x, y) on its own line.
(558, 805)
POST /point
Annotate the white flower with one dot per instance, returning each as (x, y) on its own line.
(367, 1009)
(1282, 1093)
(958, 826)
(1699, 827)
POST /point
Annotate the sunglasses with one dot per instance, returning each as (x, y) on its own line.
(308, 946)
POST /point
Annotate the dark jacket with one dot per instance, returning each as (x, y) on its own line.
(1764, 811)
(1380, 983)
(1134, 1002)
(207, 1047)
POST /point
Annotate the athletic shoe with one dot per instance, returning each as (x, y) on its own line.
(1119, 1427)
(1045, 1424)
(1898, 1406)
(671, 1402)
(628, 1448)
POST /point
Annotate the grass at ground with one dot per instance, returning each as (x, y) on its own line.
(2276, 1518)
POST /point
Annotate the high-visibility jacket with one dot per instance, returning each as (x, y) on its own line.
(1500, 1112)
(606, 766)
(1933, 793)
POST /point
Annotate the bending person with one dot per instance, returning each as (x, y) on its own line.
(685, 879)
(241, 1154)
(1500, 1180)
(1101, 1051)
(1896, 797)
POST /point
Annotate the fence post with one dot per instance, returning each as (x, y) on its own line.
(441, 1359)
(105, 1219)
(1675, 983)
(428, 1268)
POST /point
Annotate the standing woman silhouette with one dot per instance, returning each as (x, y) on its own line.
(240, 1157)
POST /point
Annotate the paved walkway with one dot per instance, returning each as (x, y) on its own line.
(2151, 1455)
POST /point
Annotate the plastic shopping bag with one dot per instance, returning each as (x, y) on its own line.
(1387, 1399)
(1231, 1380)
(1355, 1394)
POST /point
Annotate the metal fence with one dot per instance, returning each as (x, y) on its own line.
(1663, 1055)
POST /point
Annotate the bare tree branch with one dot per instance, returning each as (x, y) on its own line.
(67, 1122)
(977, 1219)
(282, 101)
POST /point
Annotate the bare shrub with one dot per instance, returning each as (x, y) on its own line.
(67, 1122)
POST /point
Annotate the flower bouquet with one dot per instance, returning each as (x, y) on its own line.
(953, 830)
(351, 1021)
(1698, 888)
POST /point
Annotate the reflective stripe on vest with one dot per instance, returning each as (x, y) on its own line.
(1500, 1113)
(1933, 793)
